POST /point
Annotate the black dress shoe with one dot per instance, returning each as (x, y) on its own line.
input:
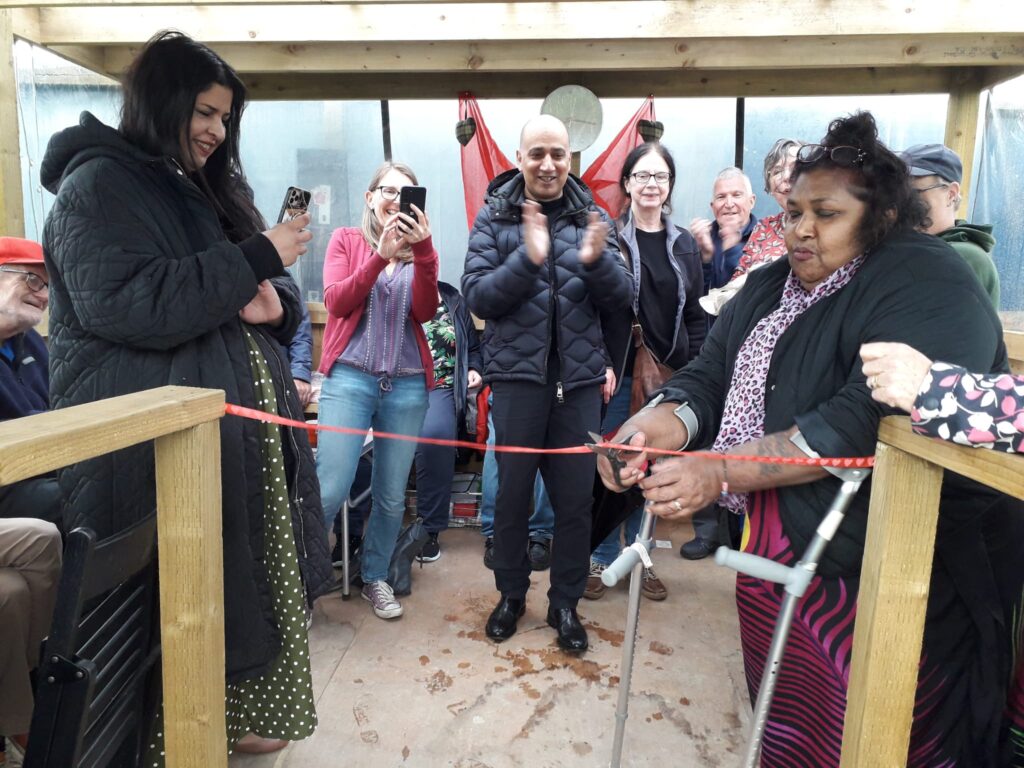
(695, 549)
(571, 634)
(501, 624)
(539, 552)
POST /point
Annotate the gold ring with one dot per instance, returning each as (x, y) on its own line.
(872, 382)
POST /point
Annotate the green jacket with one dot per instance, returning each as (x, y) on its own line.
(974, 242)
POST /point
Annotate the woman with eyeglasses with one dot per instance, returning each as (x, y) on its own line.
(380, 286)
(767, 241)
(163, 272)
(665, 326)
(779, 375)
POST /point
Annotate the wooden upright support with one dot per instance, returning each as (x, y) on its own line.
(12, 212)
(891, 605)
(192, 596)
(962, 124)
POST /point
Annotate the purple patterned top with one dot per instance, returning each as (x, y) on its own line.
(384, 343)
(984, 411)
(743, 415)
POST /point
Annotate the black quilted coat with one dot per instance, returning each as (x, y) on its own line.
(518, 298)
(145, 291)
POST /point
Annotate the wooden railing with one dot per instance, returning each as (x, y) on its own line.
(895, 578)
(184, 425)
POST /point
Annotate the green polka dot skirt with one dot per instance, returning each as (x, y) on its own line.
(278, 705)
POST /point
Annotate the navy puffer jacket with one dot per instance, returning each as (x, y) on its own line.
(517, 298)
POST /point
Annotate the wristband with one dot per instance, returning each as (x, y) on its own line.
(725, 479)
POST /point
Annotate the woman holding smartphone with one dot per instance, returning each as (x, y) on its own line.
(380, 286)
(163, 272)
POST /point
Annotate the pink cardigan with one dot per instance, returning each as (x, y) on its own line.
(351, 268)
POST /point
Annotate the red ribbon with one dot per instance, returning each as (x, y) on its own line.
(801, 461)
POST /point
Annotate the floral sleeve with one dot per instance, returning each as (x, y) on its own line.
(984, 411)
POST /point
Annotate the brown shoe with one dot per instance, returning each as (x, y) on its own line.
(653, 588)
(595, 588)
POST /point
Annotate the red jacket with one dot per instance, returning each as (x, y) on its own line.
(351, 268)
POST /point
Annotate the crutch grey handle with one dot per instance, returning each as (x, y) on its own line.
(753, 565)
(625, 563)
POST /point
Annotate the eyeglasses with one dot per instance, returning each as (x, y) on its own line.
(643, 177)
(841, 155)
(940, 185)
(388, 193)
(34, 281)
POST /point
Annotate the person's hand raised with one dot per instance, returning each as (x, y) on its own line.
(701, 231)
(414, 230)
(289, 238)
(535, 233)
(593, 240)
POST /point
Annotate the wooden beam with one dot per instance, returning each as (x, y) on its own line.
(990, 77)
(894, 583)
(583, 20)
(688, 83)
(962, 124)
(90, 57)
(665, 54)
(36, 444)
(1015, 350)
(188, 498)
(12, 211)
(995, 469)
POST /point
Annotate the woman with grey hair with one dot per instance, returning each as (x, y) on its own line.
(766, 243)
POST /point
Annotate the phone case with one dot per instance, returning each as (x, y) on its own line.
(295, 199)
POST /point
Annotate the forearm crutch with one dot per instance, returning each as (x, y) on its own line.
(796, 580)
(632, 561)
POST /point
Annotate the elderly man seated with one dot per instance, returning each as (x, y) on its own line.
(30, 556)
(24, 377)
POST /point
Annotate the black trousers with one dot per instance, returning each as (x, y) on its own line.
(530, 415)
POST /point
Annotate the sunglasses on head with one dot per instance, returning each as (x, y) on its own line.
(840, 155)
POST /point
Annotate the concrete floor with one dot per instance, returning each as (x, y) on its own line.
(429, 689)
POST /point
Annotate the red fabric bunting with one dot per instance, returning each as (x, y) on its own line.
(603, 174)
(481, 158)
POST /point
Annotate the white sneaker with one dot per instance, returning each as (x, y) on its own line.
(382, 598)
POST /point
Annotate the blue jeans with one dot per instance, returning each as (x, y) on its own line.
(616, 413)
(354, 399)
(542, 520)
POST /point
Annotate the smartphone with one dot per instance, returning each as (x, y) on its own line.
(296, 201)
(410, 196)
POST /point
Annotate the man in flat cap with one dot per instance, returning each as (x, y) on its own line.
(936, 173)
(24, 375)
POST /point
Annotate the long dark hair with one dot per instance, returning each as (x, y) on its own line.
(160, 90)
(634, 157)
(881, 180)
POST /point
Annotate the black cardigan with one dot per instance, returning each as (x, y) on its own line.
(911, 288)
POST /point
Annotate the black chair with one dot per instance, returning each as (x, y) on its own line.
(103, 645)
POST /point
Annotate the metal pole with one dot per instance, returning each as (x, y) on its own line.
(629, 556)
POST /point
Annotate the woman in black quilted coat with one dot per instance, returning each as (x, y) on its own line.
(161, 273)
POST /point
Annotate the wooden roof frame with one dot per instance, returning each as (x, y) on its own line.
(409, 49)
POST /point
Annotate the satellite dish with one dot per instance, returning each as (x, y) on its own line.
(579, 109)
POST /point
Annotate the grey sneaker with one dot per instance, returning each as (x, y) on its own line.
(595, 588)
(382, 598)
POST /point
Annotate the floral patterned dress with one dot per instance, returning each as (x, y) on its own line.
(984, 411)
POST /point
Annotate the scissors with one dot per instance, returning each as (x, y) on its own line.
(614, 456)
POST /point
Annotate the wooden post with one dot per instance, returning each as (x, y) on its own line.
(895, 577)
(962, 125)
(12, 212)
(192, 596)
